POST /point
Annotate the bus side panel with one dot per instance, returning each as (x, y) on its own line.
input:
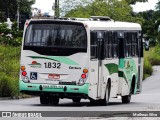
(139, 83)
(110, 71)
(93, 79)
(127, 69)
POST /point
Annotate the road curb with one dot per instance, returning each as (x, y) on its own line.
(10, 98)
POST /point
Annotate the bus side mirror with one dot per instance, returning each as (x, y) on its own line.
(146, 45)
(145, 39)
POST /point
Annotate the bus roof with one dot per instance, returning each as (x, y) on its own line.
(112, 25)
(101, 25)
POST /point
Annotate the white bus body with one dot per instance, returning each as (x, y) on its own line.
(74, 59)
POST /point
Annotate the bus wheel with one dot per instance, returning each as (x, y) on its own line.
(76, 100)
(44, 99)
(105, 101)
(127, 98)
(54, 100)
(93, 102)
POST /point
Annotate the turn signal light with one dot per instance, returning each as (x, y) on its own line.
(85, 70)
(23, 68)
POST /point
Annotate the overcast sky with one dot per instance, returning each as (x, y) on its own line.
(46, 5)
(145, 6)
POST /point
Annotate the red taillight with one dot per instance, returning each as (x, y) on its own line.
(83, 76)
(24, 73)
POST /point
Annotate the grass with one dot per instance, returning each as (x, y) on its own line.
(9, 71)
(147, 71)
(151, 58)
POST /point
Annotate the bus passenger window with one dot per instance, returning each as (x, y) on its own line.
(128, 44)
(108, 45)
(93, 45)
(57, 41)
(115, 45)
(134, 44)
(131, 41)
(49, 40)
(111, 45)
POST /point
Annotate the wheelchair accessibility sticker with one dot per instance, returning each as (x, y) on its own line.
(33, 76)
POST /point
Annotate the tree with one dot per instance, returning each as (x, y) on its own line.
(11, 37)
(67, 5)
(157, 20)
(8, 8)
(25, 6)
(134, 1)
(117, 10)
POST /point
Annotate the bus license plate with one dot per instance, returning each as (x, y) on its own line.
(53, 86)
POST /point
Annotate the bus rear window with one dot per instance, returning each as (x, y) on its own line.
(56, 35)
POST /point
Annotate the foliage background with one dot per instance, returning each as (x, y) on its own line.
(9, 70)
(10, 44)
(8, 8)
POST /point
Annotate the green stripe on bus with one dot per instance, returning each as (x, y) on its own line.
(70, 88)
(127, 68)
(121, 74)
(112, 68)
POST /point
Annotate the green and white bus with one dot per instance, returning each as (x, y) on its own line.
(93, 59)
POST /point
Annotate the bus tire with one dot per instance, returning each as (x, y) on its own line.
(127, 98)
(76, 100)
(105, 101)
(54, 100)
(44, 99)
(93, 102)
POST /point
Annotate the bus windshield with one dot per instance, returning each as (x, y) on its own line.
(56, 35)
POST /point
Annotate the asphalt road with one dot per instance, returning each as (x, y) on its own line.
(148, 100)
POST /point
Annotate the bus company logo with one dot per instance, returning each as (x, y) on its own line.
(34, 64)
(76, 68)
(127, 65)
